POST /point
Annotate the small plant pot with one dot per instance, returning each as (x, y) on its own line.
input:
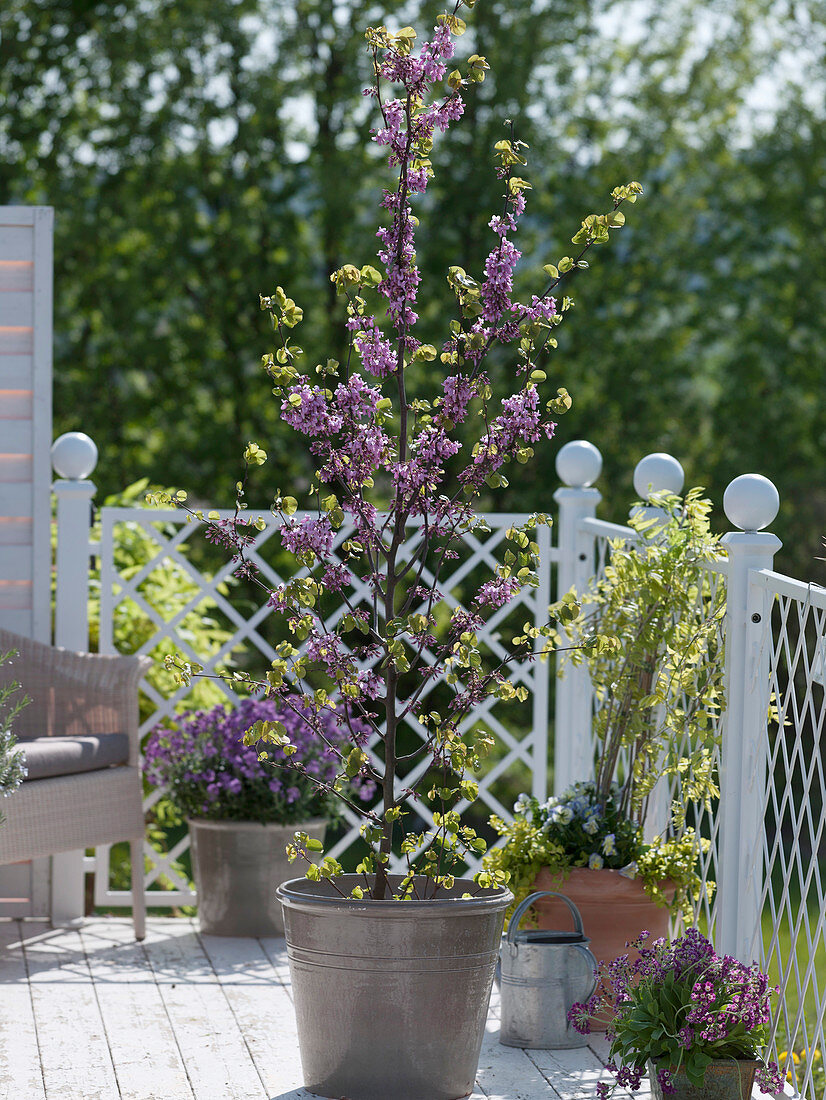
(238, 865)
(726, 1080)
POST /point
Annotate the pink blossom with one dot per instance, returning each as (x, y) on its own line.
(308, 535)
(458, 390)
(497, 592)
(336, 577)
(310, 414)
(377, 354)
(355, 399)
(498, 283)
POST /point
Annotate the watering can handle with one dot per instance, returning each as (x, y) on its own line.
(592, 959)
(525, 905)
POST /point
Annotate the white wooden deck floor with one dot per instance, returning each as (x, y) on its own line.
(89, 1014)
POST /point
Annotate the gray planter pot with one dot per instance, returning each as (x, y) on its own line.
(237, 866)
(391, 997)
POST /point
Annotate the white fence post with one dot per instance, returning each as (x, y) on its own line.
(751, 502)
(74, 456)
(578, 465)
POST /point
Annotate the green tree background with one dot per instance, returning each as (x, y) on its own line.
(199, 152)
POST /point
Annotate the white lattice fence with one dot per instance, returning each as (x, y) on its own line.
(782, 857)
(252, 627)
(792, 936)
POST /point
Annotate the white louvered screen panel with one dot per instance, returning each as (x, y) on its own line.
(25, 418)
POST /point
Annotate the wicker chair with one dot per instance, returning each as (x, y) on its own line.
(79, 733)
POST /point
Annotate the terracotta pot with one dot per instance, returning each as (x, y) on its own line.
(614, 911)
(728, 1080)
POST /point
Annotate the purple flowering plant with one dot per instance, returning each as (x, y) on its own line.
(381, 474)
(208, 771)
(681, 1006)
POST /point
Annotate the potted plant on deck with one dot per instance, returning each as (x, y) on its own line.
(657, 677)
(392, 963)
(695, 1022)
(240, 808)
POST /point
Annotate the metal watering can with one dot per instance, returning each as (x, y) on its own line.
(541, 975)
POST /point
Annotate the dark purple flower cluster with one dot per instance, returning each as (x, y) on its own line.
(678, 1005)
(208, 771)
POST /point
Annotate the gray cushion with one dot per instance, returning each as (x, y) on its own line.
(46, 757)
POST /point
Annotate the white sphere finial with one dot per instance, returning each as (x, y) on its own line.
(74, 456)
(578, 464)
(656, 473)
(751, 502)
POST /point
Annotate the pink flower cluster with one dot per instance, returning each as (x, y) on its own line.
(308, 535)
(377, 353)
(498, 283)
(497, 592)
(353, 461)
(306, 409)
(458, 391)
(398, 254)
(422, 474)
(519, 424)
(415, 73)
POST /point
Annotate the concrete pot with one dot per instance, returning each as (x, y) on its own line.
(724, 1080)
(237, 866)
(391, 997)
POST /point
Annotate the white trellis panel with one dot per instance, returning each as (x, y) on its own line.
(792, 935)
(525, 750)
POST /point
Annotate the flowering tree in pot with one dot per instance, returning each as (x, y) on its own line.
(382, 471)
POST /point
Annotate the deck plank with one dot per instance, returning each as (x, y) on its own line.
(216, 1056)
(20, 1072)
(577, 1071)
(507, 1073)
(74, 1051)
(599, 1047)
(147, 1061)
(275, 948)
(262, 1007)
